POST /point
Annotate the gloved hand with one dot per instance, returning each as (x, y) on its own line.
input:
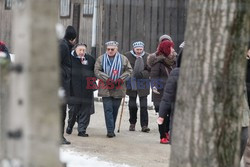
(182, 45)
(118, 82)
(154, 89)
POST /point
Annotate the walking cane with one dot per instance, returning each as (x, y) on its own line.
(118, 131)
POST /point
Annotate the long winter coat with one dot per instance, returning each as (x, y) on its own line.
(143, 84)
(160, 70)
(80, 92)
(65, 64)
(116, 92)
(169, 94)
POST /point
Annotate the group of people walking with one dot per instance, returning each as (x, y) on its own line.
(132, 74)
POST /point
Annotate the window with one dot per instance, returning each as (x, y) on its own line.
(8, 4)
(88, 7)
(65, 8)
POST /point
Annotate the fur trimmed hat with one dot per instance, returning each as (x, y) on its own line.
(165, 37)
(111, 43)
(138, 44)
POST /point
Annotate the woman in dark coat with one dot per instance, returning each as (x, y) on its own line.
(162, 62)
(168, 99)
(81, 94)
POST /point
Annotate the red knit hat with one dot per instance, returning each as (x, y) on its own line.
(165, 48)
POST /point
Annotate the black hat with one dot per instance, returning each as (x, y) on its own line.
(70, 33)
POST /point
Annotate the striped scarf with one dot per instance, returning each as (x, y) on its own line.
(112, 69)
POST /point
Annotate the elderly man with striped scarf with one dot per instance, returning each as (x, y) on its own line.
(112, 69)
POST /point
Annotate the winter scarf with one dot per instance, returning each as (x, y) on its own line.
(133, 53)
(112, 69)
(138, 68)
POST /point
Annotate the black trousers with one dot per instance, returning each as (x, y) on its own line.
(165, 127)
(143, 110)
(81, 112)
(72, 116)
(63, 116)
(243, 140)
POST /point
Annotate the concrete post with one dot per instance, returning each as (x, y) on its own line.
(34, 128)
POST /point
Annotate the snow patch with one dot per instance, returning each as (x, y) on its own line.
(76, 159)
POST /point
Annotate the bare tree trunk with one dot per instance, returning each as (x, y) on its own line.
(33, 119)
(208, 113)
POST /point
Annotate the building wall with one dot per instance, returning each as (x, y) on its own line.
(85, 24)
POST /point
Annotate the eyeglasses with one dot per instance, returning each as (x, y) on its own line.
(112, 49)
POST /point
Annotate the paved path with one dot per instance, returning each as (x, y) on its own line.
(131, 148)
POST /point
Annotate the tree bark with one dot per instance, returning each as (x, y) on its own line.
(208, 110)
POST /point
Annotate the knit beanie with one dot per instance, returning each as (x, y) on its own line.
(70, 33)
(165, 37)
(165, 48)
(138, 44)
(111, 43)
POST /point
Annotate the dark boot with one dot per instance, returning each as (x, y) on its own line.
(110, 135)
(64, 141)
(83, 134)
(69, 130)
(145, 129)
(132, 127)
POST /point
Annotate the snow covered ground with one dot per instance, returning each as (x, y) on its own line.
(76, 159)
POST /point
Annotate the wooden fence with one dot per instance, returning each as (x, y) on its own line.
(127, 21)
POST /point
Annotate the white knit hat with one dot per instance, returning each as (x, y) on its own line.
(165, 36)
(111, 43)
(138, 44)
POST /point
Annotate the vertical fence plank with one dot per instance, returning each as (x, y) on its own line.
(113, 20)
(133, 22)
(140, 28)
(106, 21)
(160, 28)
(180, 22)
(173, 22)
(120, 22)
(148, 23)
(76, 18)
(167, 17)
(126, 25)
(154, 36)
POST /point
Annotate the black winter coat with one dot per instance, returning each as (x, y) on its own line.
(169, 95)
(248, 81)
(143, 84)
(65, 64)
(79, 91)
